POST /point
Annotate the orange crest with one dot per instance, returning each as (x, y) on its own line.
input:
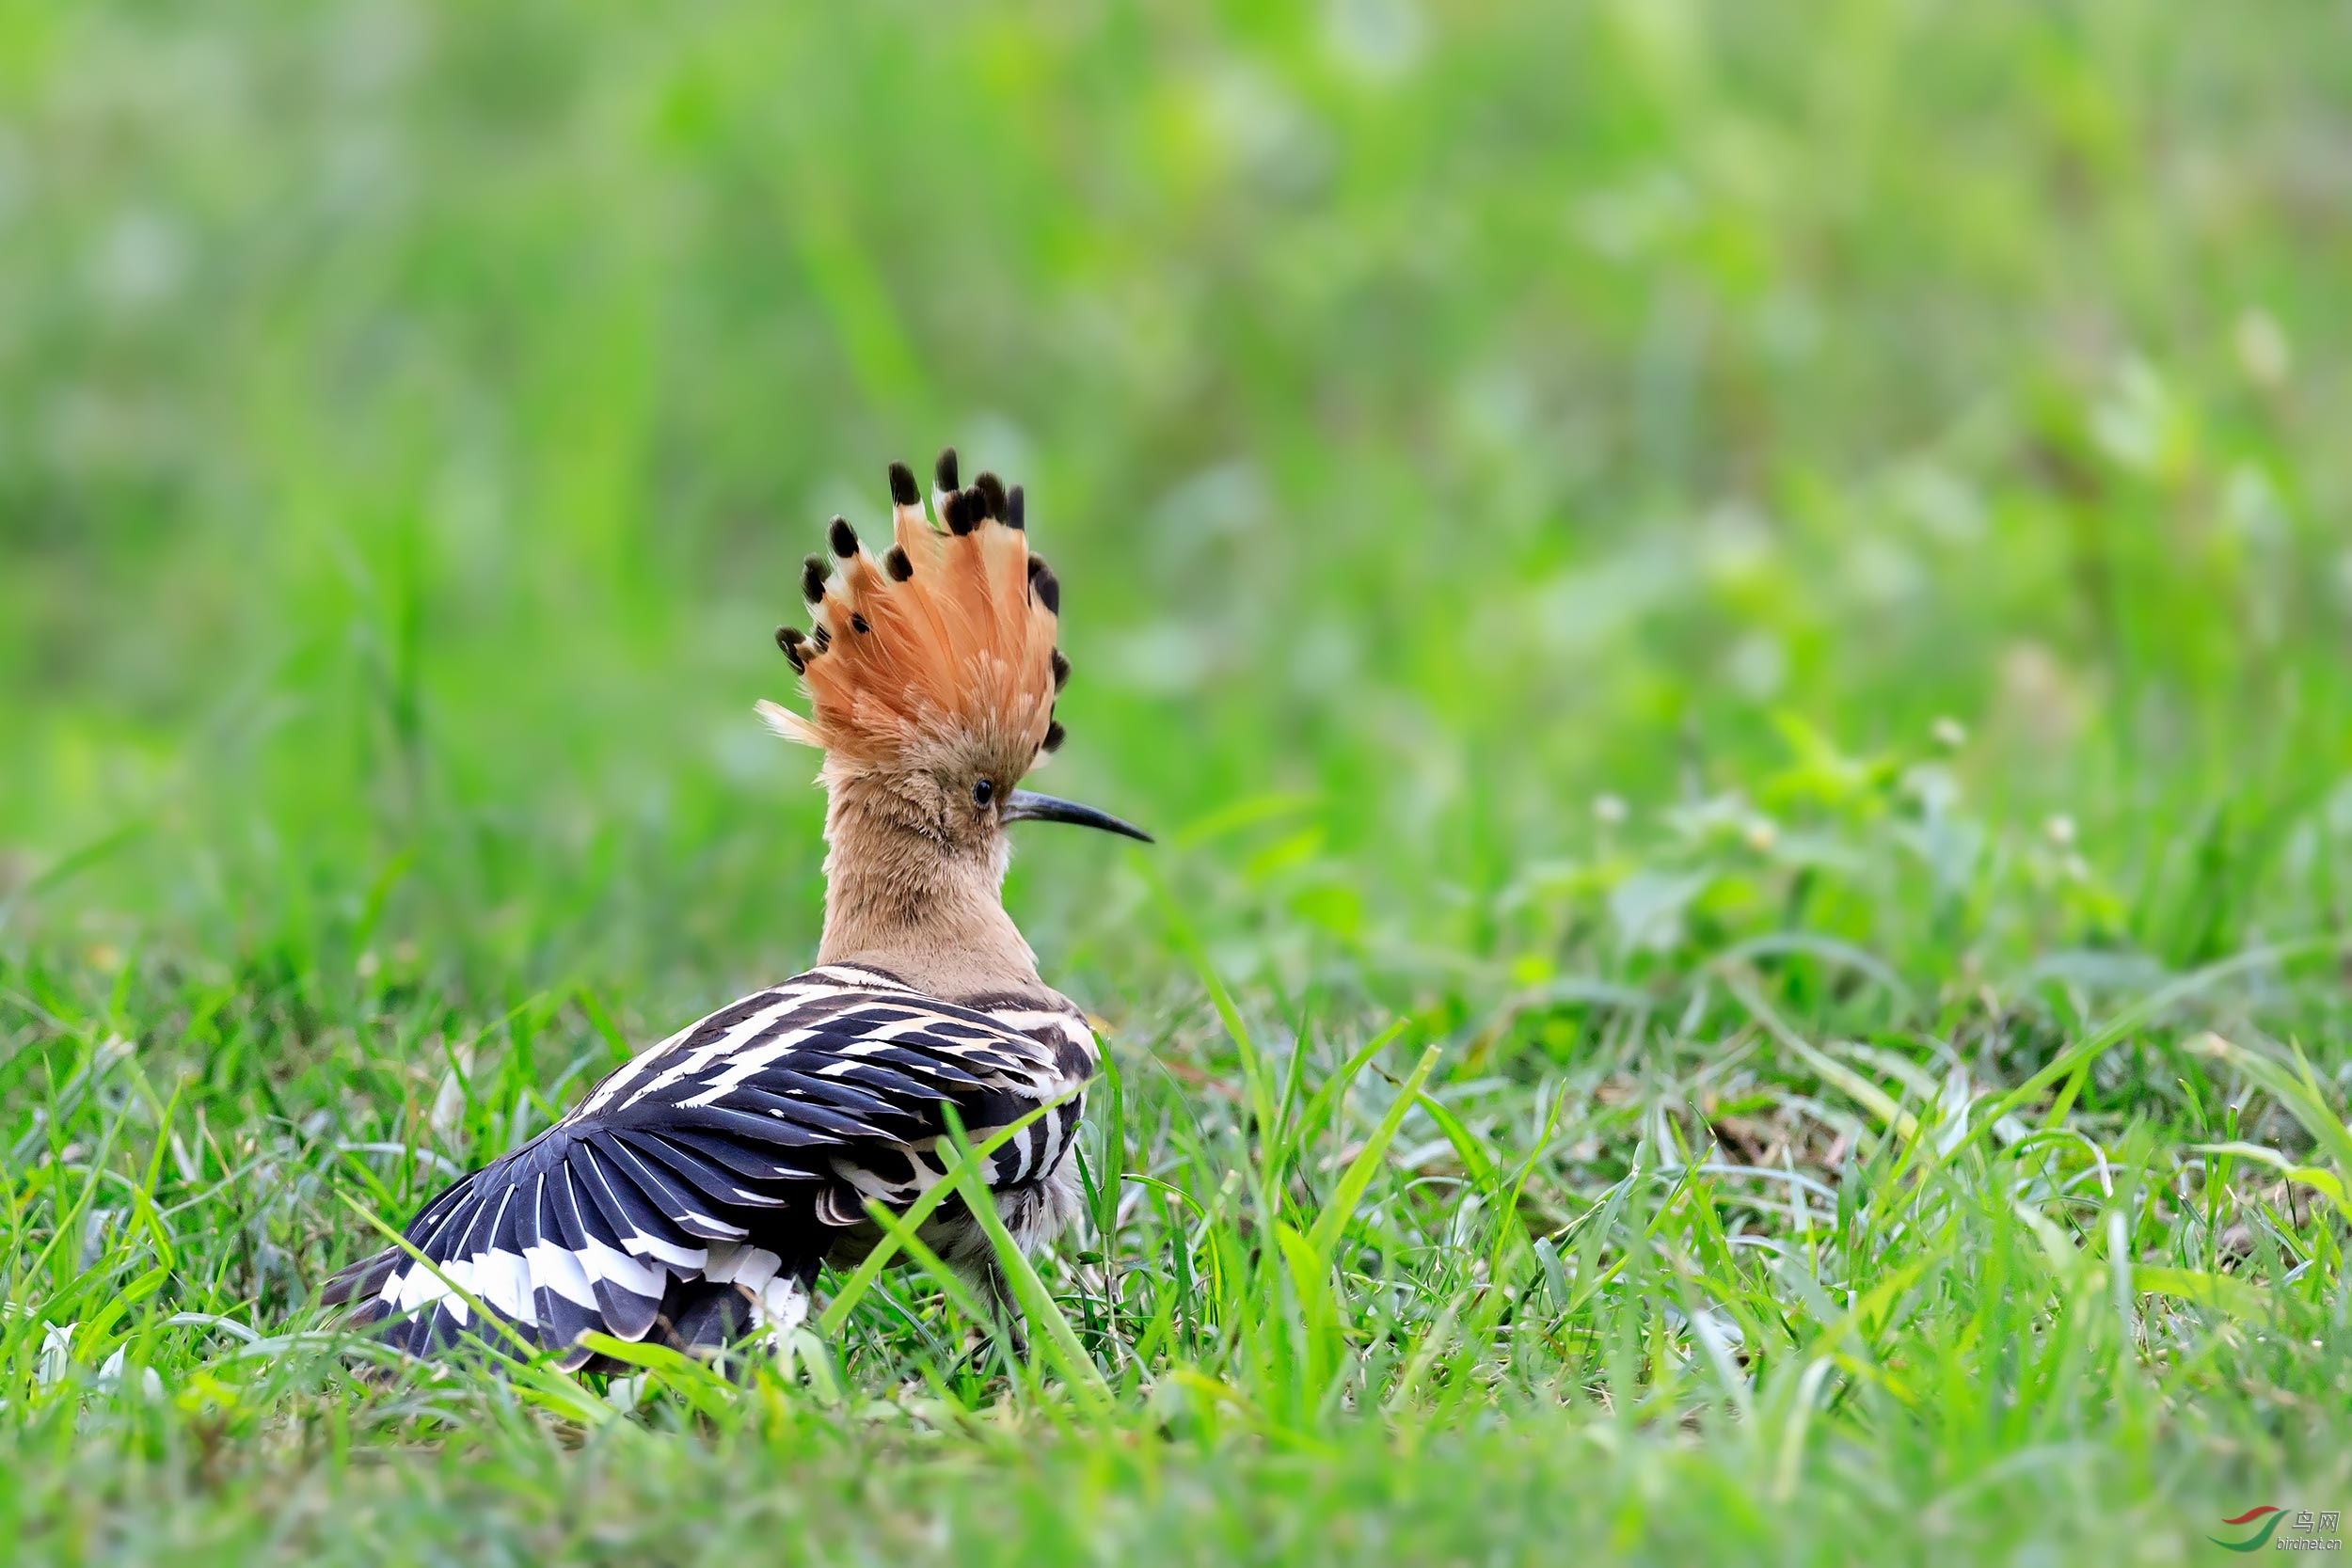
(943, 646)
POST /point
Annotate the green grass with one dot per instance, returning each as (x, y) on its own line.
(1772, 587)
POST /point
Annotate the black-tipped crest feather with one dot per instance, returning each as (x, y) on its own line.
(992, 493)
(902, 488)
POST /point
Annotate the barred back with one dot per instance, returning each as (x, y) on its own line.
(695, 1193)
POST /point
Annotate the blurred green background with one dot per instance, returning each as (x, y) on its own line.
(1475, 440)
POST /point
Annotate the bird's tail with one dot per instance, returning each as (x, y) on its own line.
(696, 1316)
(360, 1283)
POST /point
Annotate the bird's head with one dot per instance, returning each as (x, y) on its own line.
(931, 670)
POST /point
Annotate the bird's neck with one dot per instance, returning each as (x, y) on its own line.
(894, 900)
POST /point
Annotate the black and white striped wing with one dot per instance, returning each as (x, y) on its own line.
(731, 1153)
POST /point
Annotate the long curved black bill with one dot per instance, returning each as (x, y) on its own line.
(1027, 805)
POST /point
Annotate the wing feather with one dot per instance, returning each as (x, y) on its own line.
(758, 1117)
(746, 1162)
(628, 1292)
(648, 1229)
(717, 1186)
(688, 1210)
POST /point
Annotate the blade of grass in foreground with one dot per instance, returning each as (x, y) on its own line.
(1325, 1236)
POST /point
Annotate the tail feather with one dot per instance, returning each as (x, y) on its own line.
(361, 1281)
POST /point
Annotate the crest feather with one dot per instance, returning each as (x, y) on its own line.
(950, 643)
(788, 724)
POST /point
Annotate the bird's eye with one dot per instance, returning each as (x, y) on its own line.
(983, 792)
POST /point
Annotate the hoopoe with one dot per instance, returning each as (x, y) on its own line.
(690, 1198)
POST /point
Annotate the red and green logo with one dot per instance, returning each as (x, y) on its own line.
(2260, 1538)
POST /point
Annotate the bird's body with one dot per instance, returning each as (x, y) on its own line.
(694, 1194)
(693, 1197)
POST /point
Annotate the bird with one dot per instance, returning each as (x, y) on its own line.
(693, 1197)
